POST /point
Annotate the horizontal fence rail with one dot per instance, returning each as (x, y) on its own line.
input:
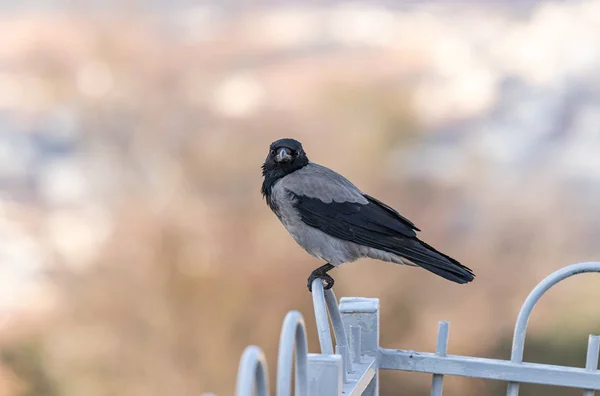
(352, 366)
(495, 369)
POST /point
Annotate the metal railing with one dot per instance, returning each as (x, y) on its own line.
(353, 368)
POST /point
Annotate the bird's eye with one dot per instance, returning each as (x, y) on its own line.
(272, 152)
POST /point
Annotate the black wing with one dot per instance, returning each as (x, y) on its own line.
(393, 212)
(378, 226)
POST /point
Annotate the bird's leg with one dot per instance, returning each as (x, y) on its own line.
(321, 273)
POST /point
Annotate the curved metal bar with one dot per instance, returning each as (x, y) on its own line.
(318, 295)
(338, 329)
(534, 296)
(252, 373)
(336, 318)
(532, 299)
(293, 337)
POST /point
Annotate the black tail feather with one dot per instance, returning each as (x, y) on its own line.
(437, 262)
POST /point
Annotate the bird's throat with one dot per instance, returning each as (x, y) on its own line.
(271, 175)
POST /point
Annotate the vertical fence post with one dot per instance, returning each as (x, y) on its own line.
(591, 362)
(441, 348)
(364, 312)
(355, 343)
(325, 375)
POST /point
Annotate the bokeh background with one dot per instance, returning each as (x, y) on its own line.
(136, 254)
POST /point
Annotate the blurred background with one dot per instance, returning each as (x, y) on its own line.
(137, 256)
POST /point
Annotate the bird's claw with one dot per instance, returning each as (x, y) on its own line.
(326, 278)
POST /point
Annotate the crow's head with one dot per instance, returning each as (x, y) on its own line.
(285, 156)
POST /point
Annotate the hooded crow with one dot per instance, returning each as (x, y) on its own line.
(336, 222)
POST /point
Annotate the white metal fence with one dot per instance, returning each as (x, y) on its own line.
(353, 367)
